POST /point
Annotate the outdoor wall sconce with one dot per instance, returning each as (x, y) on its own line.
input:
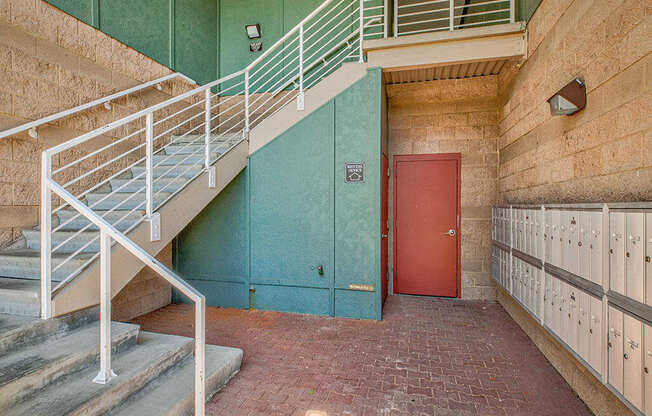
(570, 99)
(253, 31)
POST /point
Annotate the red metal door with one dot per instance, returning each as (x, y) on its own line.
(384, 229)
(426, 224)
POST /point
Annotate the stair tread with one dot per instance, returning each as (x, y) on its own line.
(31, 367)
(77, 394)
(173, 392)
(9, 322)
(19, 285)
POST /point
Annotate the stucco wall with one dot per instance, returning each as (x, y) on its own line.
(455, 116)
(603, 152)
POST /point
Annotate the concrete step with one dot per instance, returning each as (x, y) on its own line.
(25, 263)
(195, 149)
(181, 159)
(127, 201)
(112, 217)
(135, 185)
(29, 369)
(19, 297)
(33, 241)
(22, 332)
(135, 367)
(168, 171)
(172, 394)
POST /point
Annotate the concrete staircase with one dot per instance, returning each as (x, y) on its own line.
(20, 262)
(46, 368)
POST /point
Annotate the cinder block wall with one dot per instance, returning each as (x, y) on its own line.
(455, 116)
(603, 152)
(49, 62)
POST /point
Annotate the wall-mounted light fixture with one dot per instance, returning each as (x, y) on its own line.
(570, 99)
(253, 31)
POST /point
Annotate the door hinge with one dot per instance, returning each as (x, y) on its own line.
(388, 172)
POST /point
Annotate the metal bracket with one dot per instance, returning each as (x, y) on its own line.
(33, 133)
(104, 378)
(155, 227)
(211, 177)
(301, 102)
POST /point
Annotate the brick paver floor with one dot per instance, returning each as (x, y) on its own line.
(427, 357)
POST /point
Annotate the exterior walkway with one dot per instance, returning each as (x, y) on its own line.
(427, 357)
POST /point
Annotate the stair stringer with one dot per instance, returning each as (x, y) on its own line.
(84, 290)
(315, 97)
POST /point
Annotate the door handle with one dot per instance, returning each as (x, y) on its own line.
(450, 232)
(383, 235)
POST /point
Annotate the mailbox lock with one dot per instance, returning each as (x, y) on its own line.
(611, 251)
(647, 259)
(646, 370)
(320, 270)
(609, 344)
(590, 330)
(579, 244)
(627, 254)
(626, 356)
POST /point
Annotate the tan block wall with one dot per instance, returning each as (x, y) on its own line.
(145, 293)
(596, 395)
(603, 152)
(455, 116)
(49, 62)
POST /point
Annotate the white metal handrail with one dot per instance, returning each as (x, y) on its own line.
(109, 233)
(33, 125)
(412, 17)
(175, 141)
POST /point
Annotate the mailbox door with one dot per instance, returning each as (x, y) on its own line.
(617, 252)
(556, 306)
(547, 298)
(648, 262)
(572, 315)
(563, 235)
(538, 230)
(616, 348)
(556, 239)
(584, 243)
(635, 256)
(583, 326)
(563, 311)
(571, 253)
(547, 236)
(647, 353)
(596, 343)
(633, 357)
(596, 247)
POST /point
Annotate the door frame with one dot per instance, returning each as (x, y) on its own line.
(457, 157)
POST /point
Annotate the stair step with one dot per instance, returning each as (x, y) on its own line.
(169, 172)
(135, 185)
(112, 217)
(172, 394)
(29, 369)
(135, 367)
(33, 240)
(127, 201)
(26, 264)
(181, 159)
(21, 332)
(188, 149)
(19, 297)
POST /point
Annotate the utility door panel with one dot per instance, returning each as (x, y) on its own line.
(426, 242)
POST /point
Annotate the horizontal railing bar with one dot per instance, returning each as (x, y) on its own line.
(483, 23)
(95, 103)
(484, 3)
(431, 11)
(425, 3)
(425, 21)
(412, 32)
(482, 13)
(85, 137)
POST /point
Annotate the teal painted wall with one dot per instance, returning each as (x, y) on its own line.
(180, 34)
(299, 213)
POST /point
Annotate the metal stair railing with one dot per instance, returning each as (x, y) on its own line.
(32, 126)
(198, 127)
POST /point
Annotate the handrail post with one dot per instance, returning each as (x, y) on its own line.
(207, 128)
(200, 356)
(512, 12)
(246, 103)
(300, 97)
(149, 149)
(46, 233)
(385, 15)
(106, 372)
(361, 30)
(451, 17)
(395, 18)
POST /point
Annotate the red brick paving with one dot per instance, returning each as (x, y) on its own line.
(427, 357)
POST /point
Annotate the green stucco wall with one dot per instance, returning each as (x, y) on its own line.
(291, 211)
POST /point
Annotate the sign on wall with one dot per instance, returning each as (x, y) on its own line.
(354, 172)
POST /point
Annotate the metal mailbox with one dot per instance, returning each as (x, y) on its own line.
(617, 252)
(635, 256)
(563, 311)
(584, 326)
(556, 237)
(570, 254)
(556, 306)
(615, 369)
(596, 342)
(547, 236)
(633, 361)
(538, 231)
(584, 243)
(647, 362)
(548, 301)
(648, 260)
(572, 316)
(596, 247)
